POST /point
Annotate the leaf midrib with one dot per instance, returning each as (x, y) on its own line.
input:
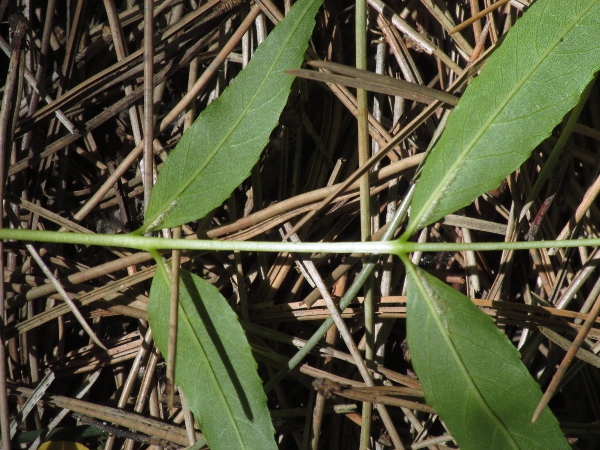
(449, 176)
(186, 184)
(456, 356)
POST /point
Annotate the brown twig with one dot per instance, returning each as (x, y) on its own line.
(478, 16)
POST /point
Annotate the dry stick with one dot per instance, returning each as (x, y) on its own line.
(271, 11)
(464, 48)
(432, 442)
(173, 17)
(153, 399)
(480, 45)
(363, 79)
(566, 362)
(26, 408)
(319, 409)
(387, 395)
(119, 432)
(478, 16)
(132, 378)
(151, 427)
(476, 25)
(148, 100)
(19, 27)
(148, 169)
(474, 284)
(310, 268)
(171, 355)
(65, 296)
(188, 418)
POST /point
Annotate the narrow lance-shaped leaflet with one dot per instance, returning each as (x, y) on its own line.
(220, 148)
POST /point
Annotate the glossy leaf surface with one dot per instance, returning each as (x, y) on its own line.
(214, 364)
(218, 151)
(527, 86)
(472, 375)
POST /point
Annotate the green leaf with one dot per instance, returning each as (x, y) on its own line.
(214, 364)
(528, 85)
(218, 151)
(472, 375)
